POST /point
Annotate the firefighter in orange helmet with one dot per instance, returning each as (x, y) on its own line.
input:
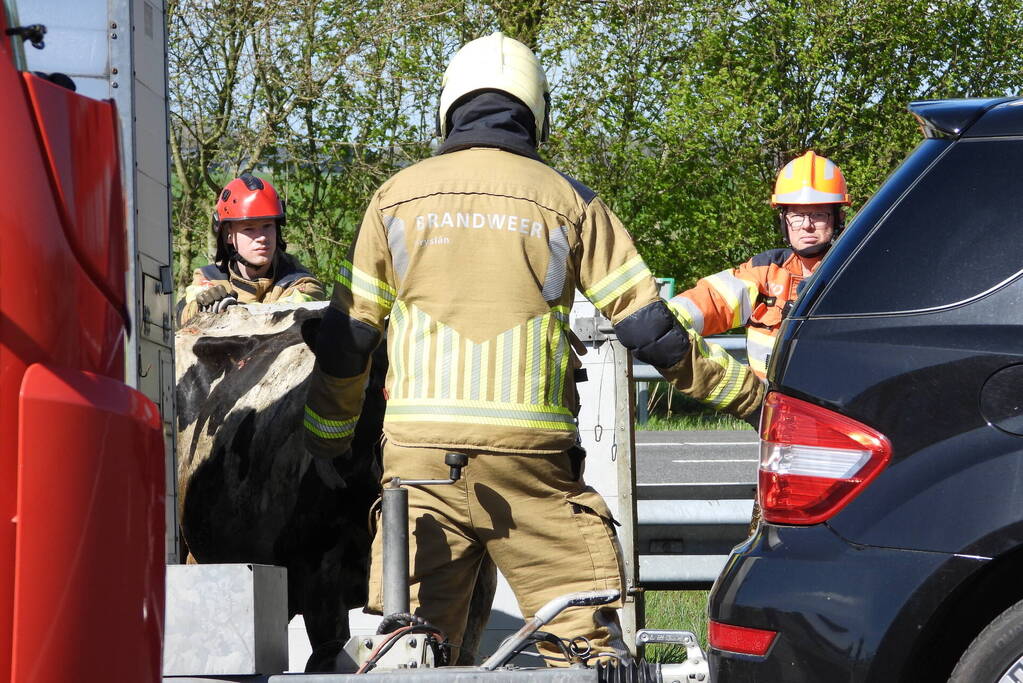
(811, 195)
(250, 265)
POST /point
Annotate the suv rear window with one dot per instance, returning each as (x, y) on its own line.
(955, 235)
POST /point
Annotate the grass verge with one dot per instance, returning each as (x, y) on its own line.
(677, 610)
(671, 410)
(689, 421)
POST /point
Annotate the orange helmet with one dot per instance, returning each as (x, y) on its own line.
(246, 197)
(810, 179)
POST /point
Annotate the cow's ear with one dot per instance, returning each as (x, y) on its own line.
(310, 328)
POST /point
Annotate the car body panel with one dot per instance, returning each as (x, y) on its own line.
(910, 326)
(817, 590)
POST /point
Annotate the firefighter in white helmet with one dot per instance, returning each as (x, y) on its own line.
(471, 260)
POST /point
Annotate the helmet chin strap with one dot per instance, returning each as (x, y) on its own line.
(233, 255)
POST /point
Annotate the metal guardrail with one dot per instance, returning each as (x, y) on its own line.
(685, 532)
(732, 343)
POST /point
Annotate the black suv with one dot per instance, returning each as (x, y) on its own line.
(891, 469)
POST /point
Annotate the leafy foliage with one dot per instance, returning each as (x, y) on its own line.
(679, 113)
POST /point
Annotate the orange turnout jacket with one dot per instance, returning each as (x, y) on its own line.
(755, 295)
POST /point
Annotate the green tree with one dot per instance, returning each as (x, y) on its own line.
(704, 102)
(679, 113)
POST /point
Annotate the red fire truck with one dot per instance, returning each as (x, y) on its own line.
(82, 452)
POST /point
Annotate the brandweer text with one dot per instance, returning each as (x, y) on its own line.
(477, 221)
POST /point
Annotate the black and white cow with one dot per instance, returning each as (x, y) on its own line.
(246, 489)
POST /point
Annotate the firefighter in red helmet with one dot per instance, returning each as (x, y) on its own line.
(250, 265)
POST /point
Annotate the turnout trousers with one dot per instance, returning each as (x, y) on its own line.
(547, 532)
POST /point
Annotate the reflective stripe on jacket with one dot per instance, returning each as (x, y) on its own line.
(753, 295)
(471, 260)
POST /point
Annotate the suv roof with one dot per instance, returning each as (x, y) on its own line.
(953, 118)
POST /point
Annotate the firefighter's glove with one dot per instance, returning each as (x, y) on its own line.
(216, 299)
(754, 418)
(326, 469)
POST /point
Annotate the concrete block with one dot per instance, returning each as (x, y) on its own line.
(226, 619)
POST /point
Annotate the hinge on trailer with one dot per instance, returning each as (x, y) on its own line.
(166, 283)
(33, 33)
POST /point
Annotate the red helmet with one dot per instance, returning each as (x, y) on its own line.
(246, 197)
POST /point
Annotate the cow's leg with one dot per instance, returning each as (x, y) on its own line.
(337, 582)
(479, 612)
(326, 641)
(326, 618)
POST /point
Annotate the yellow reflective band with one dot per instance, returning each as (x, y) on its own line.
(752, 292)
(516, 365)
(557, 351)
(759, 339)
(366, 286)
(413, 360)
(296, 297)
(728, 388)
(683, 315)
(687, 313)
(430, 360)
(481, 412)
(499, 344)
(712, 352)
(544, 357)
(618, 282)
(467, 373)
(397, 351)
(759, 346)
(730, 289)
(445, 363)
(529, 377)
(421, 367)
(328, 429)
(449, 382)
(484, 369)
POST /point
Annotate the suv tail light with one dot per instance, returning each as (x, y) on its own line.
(813, 461)
(741, 639)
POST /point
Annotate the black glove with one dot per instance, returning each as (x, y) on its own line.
(216, 299)
(754, 418)
(327, 471)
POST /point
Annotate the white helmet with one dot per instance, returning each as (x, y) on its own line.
(496, 62)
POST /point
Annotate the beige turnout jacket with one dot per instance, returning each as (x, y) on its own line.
(289, 283)
(469, 261)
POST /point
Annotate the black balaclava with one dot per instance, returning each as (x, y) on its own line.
(491, 118)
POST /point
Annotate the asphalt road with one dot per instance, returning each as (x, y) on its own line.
(696, 457)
